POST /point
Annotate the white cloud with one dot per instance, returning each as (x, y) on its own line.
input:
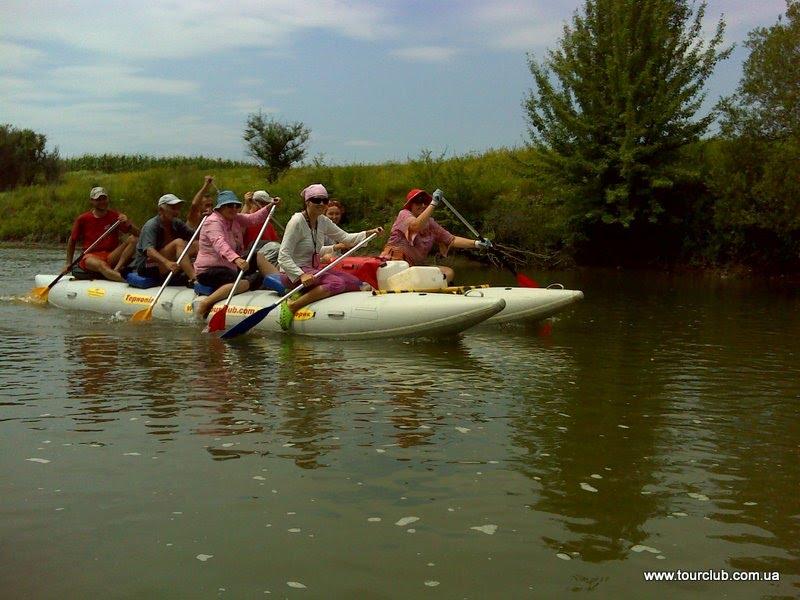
(188, 28)
(426, 53)
(113, 80)
(17, 57)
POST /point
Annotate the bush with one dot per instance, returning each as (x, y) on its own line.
(24, 159)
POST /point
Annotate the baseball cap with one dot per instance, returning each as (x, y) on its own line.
(97, 192)
(262, 196)
(170, 199)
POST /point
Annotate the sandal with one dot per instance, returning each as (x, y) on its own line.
(286, 316)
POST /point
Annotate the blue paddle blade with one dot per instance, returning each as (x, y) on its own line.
(247, 324)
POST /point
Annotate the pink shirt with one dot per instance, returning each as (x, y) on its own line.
(417, 246)
(222, 241)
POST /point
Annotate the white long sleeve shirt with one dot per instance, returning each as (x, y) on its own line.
(298, 245)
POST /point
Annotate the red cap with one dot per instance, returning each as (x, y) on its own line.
(413, 195)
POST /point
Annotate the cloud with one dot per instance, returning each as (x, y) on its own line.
(114, 79)
(188, 28)
(517, 24)
(426, 53)
(18, 57)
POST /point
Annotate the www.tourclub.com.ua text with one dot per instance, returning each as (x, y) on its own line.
(712, 575)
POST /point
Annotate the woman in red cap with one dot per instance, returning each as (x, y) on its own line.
(414, 233)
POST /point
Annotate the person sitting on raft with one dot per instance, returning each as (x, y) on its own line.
(201, 203)
(162, 241)
(89, 226)
(299, 256)
(222, 252)
(332, 250)
(414, 233)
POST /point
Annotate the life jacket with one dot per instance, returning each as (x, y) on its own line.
(363, 267)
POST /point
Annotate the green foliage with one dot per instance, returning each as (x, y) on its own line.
(612, 108)
(767, 102)
(754, 169)
(486, 189)
(24, 158)
(275, 145)
(121, 163)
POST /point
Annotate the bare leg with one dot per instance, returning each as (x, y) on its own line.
(264, 266)
(207, 303)
(127, 253)
(173, 250)
(98, 266)
(317, 293)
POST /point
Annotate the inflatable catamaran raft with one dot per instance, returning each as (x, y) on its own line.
(408, 302)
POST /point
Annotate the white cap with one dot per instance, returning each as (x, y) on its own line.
(169, 199)
(97, 192)
(262, 196)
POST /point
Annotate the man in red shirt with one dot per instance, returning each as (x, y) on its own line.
(89, 226)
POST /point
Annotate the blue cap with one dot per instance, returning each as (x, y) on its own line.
(226, 197)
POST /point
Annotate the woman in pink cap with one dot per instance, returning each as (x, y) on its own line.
(299, 256)
(414, 233)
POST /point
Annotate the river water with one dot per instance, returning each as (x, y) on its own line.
(654, 429)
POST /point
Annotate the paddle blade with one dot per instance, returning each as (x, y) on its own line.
(142, 315)
(217, 322)
(39, 294)
(247, 324)
(526, 281)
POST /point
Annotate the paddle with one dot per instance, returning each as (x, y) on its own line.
(217, 322)
(147, 313)
(522, 279)
(247, 324)
(40, 293)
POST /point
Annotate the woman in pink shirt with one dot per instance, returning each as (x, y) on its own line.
(222, 253)
(414, 233)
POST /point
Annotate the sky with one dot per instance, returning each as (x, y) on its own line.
(374, 81)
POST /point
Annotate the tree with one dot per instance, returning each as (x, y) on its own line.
(275, 145)
(614, 105)
(767, 102)
(24, 158)
(755, 172)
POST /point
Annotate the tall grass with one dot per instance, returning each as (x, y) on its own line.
(120, 163)
(489, 190)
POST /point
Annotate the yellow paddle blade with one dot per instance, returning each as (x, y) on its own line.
(39, 294)
(143, 315)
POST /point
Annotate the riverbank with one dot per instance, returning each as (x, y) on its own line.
(497, 192)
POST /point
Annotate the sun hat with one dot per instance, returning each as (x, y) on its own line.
(97, 192)
(170, 199)
(226, 197)
(261, 196)
(315, 190)
(412, 195)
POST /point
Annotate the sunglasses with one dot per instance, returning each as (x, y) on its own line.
(318, 200)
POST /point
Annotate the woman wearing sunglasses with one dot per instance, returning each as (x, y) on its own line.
(415, 232)
(299, 256)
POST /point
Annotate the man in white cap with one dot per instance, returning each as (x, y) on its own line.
(90, 226)
(162, 240)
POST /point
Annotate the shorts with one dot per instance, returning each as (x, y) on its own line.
(216, 277)
(102, 255)
(150, 273)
